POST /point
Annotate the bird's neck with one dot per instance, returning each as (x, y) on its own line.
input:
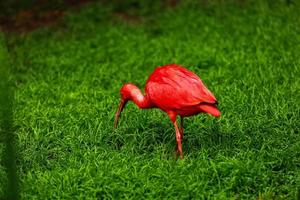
(142, 101)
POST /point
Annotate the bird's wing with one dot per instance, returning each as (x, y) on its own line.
(174, 87)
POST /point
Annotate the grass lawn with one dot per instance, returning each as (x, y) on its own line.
(66, 89)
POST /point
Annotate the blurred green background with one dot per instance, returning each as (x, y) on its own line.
(63, 63)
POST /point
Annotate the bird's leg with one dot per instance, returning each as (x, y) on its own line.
(178, 139)
(173, 116)
(181, 127)
(181, 133)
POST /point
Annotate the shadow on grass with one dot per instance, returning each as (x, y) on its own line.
(6, 126)
(156, 136)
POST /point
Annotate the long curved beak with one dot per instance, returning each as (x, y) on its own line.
(118, 113)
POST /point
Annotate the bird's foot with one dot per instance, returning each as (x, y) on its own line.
(178, 154)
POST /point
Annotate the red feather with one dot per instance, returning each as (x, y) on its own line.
(172, 87)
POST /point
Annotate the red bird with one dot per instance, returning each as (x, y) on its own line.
(176, 91)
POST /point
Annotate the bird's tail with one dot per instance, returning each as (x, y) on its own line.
(211, 109)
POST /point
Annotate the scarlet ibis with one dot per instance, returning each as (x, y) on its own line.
(175, 90)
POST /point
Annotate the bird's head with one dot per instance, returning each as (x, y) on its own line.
(127, 92)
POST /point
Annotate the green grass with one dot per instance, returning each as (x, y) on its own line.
(67, 82)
